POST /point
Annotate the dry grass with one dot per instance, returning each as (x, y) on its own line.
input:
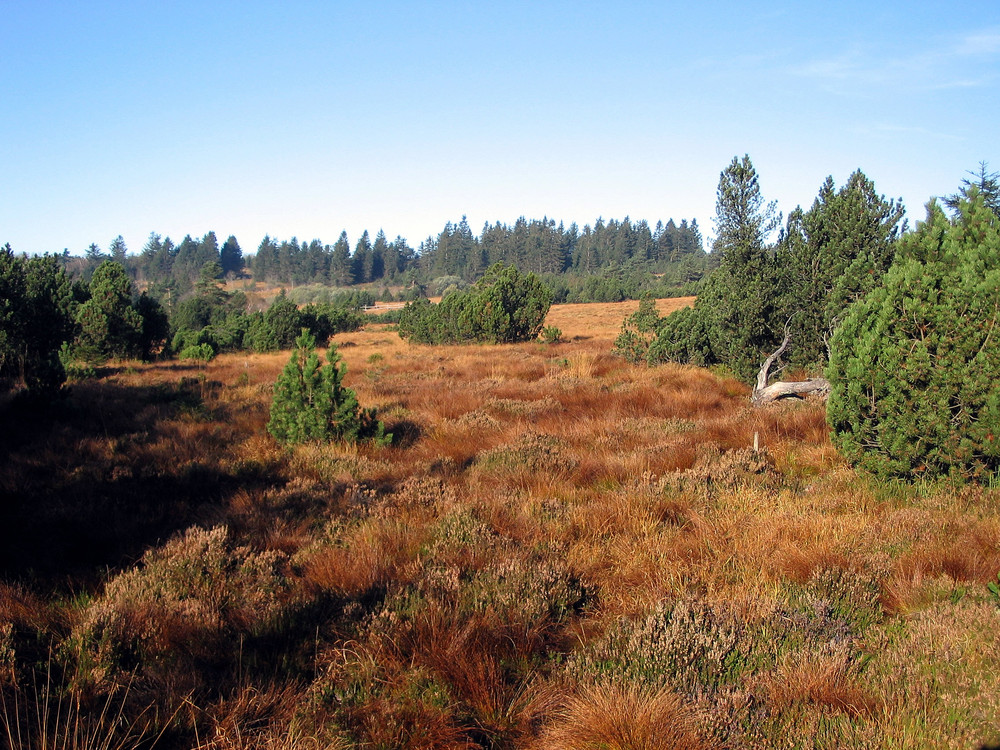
(560, 550)
(824, 679)
(622, 717)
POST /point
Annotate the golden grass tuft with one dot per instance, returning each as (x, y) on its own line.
(822, 679)
(369, 556)
(616, 716)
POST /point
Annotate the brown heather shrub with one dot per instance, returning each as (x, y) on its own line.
(379, 704)
(461, 537)
(716, 471)
(479, 421)
(532, 455)
(940, 675)
(421, 494)
(510, 407)
(186, 601)
(339, 463)
(688, 645)
(614, 715)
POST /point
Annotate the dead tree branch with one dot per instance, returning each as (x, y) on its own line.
(765, 394)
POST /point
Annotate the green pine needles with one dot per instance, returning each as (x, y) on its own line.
(915, 364)
(503, 307)
(311, 402)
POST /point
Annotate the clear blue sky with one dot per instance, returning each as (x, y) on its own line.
(306, 118)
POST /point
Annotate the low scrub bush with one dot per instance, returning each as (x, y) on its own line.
(504, 306)
(184, 605)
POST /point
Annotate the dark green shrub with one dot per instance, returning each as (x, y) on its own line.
(504, 306)
(638, 332)
(312, 403)
(201, 352)
(36, 318)
(914, 366)
(551, 334)
(109, 324)
(681, 337)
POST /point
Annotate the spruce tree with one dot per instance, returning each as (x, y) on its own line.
(735, 321)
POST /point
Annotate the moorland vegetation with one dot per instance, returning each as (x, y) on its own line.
(543, 544)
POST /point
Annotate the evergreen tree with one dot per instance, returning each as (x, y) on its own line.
(118, 250)
(986, 183)
(155, 326)
(110, 326)
(265, 262)
(13, 319)
(362, 261)
(311, 402)
(638, 332)
(831, 256)
(740, 299)
(36, 318)
(914, 367)
(735, 319)
(341, 273)
(504, 306)
(94, 254)
(231, 257)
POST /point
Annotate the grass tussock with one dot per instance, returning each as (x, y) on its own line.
(559, 550)
(622, 717)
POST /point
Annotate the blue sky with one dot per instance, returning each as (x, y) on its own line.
(307, 118)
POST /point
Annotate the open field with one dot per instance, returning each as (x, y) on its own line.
(561, 550)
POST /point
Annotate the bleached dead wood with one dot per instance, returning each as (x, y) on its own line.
(765, 394)
(784, 388)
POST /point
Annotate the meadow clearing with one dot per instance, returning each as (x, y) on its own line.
(560, 550)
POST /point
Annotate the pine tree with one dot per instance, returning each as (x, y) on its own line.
(311, 402)
(832, 255)
(739, 300)
(110, 326)
(914, 366)
(735, 319)
(36, 318)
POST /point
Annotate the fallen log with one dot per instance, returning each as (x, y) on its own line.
(795, 388)
(765, 394)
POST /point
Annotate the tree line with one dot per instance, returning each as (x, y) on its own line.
(673, 253)
(52, 326)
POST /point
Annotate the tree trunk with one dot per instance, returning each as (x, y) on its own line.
(765, 394)
(783, 389)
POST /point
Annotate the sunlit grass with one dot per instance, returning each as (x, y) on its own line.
(554, 535)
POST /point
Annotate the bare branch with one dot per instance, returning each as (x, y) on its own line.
(764, 393)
